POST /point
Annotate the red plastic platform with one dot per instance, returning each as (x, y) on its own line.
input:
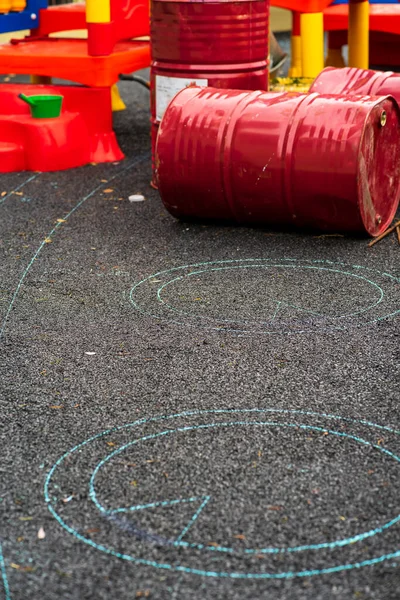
(382, 17)
(69, 59)
(129, 19)
(384, 25)
(82, 134)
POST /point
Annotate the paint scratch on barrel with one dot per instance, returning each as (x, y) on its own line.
(265, 167)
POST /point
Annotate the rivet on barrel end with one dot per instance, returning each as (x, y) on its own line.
(383, 118)
(378, 219)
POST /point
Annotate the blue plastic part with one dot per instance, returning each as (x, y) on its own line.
(26, 19)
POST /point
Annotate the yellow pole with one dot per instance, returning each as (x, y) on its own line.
(18, 5)
(295, 69)
(5, 6)
(359, 34)
(312, 43)
(98, 11)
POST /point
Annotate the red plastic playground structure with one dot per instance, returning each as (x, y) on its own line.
(95, 63)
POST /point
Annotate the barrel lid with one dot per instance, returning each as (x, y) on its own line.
(379, 166)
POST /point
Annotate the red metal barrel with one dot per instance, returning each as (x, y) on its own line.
(357, 81)
(222, 44)
(324, 162)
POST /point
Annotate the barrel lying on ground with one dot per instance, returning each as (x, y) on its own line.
(324, 162)
(352, 81)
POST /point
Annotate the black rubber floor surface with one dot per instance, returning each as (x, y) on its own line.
(191, 410)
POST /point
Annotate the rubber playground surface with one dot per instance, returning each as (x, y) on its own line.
(191, 410)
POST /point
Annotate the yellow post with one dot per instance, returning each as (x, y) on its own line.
(312, 44)
(295, 69)
(116, 101)
(5, 6)
(98, 11)
(359, 34)
(18, 5)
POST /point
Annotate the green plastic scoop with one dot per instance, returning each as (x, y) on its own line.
(44, 107)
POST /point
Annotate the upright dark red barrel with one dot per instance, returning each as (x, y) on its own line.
(357, 81)
(223, 44)
(327, 162)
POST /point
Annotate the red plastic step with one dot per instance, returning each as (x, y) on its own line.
(12, 157)
(81, 135)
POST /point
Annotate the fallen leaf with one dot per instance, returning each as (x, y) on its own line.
(20, 538)
(108, 191)
(48, 241)
(41, 534)
(342, 518)
(275, 507)
(381, 441)
(93, 530)
(240, 536)
(111, 443)
(144, 594)
(18, 193)
(57, 406)
(61, 220)
(25, 518)
(3, 194)
(134, 483)
(104, 180)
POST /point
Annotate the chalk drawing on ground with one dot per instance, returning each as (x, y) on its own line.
(269, 296)
(4, 579)
(126, 166)
(150, 500)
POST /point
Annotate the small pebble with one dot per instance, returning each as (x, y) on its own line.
(136, 198)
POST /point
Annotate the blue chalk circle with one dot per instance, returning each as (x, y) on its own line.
(268, 296)
(182, 552)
